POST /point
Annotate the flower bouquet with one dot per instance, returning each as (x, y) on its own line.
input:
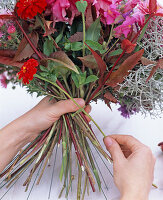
(93, 49)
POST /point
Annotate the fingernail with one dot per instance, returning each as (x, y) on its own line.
(108, 141)
(81, 102)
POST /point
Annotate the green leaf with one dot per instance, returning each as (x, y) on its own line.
(67, 46)
(76, 46)
(93, 33)
(44, 69)
(44, 74)
(91, 78)
(142, 33)
(82, 78)
(53, 78)
(59, 68)
(59, 37)
(81, 6)
(95, 46)
(116, 52)
(46, 85)
(137, 48)
(75, 79)
(62, 60)
(48, 47)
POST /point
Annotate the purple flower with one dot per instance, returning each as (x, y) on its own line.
(128, 107)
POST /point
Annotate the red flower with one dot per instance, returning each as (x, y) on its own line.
(30, 8)
(28, 70)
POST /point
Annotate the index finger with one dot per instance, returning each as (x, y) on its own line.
(129, 141)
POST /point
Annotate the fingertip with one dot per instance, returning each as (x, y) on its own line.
(80, 101)
(108, 141)
(88, 108)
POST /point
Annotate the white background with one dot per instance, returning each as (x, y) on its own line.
(14, 103)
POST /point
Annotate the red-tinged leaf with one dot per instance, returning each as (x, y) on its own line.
(48, 28)
(152, 6)
(119, 75)
(61, 58)
(101, 64)
(146, 61)
(154, 69)
(9, 61)
(76, 37)
(107, 102)
(127, 46)
(25, 50)
(89, 17)
(160, 63)
(7, 53)
(89, 61)
(159, 14)
(7, 17)
(110, 97)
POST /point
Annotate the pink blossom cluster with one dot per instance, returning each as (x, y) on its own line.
(3, 80)
(122, 13)
(7, 33)
(63, 10)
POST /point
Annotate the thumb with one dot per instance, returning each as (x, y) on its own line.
(67, 106)
(114, 149)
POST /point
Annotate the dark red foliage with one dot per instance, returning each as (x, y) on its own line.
(152, 6)
(127, 46)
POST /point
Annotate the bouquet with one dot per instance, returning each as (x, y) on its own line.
(93, 49)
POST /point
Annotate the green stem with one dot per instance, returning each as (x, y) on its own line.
(84, 33)
(67, 86)
(110, 37)
(110, 49)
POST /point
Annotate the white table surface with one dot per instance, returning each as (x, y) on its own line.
(14, 103)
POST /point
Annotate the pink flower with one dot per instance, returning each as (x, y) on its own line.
(111, 14)
(139, 17)
(125, 28)
(11, 29)
(144, 7)
(101, 7)
(1, 34)
(1, 23)
(130, 5)
(63, 11)
(3, 80)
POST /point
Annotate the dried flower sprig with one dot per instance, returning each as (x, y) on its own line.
(152, 41)
(146, 96)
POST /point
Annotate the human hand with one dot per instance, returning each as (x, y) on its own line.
(133, 165)
(45, 113)
(26, 128)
